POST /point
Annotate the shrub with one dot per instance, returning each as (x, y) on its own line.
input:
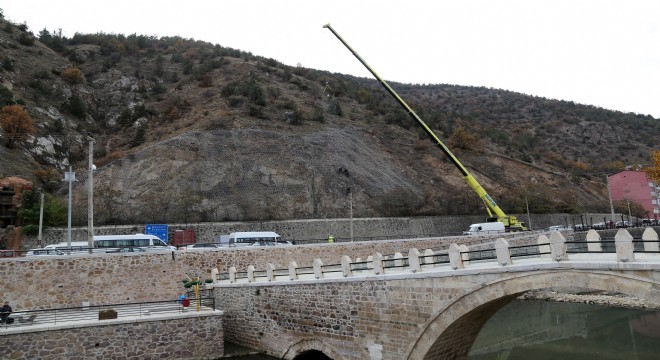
(26, 39)
(76, 107)
(16, 124)
(6, 96)
(8, 64)
(73, 75)
(206, 81)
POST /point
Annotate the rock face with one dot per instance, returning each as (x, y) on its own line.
(186, 131)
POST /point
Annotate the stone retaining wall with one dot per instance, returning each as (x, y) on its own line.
(67, 281)
(313, 230)
(175, 338)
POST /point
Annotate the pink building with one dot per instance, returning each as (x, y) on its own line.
(636, 187)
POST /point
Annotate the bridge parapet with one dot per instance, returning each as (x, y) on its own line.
(460, 257)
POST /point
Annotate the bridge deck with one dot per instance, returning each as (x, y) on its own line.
(602, 261)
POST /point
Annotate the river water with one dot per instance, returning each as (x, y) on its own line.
(540, 330)
(528, 329)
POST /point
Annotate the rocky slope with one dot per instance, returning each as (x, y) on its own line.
(191, 131)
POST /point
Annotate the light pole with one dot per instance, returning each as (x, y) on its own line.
(350, 206)
(41, 216)
(90, 198)
(609, 193)
(69, 176)
(529, 219)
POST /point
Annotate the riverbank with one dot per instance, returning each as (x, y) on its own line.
(594, 298)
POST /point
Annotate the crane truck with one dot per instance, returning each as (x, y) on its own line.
(495, 213)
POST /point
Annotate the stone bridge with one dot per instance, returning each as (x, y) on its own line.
(424, 305)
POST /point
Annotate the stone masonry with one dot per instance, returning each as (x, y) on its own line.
(52, 282)
(412, 316)
(198, 337)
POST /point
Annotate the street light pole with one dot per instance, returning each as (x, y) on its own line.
(41, 216)
(609, 192)
(70, 177)
(90, 198)
(529, 219)
(350, 202)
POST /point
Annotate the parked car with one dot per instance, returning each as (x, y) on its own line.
(557, 228)
(580, 227)
(8, 253)
(271, 243)
(599, 226)
(125, 249)
(202, 246)
(649, 222)
(622, 224)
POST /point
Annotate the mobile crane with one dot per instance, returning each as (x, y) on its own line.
(495, 213)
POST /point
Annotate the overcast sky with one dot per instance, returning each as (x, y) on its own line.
(599, 52)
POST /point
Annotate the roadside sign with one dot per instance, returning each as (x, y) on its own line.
(159, 230)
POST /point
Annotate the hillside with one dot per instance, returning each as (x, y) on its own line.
(188, 131)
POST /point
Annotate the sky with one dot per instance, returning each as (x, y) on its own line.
(604, 53)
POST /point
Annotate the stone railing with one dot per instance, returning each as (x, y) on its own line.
(555, 248)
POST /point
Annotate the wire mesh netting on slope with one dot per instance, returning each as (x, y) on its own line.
(244, 175)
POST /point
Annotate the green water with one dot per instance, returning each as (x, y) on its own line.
(544, 330)
(555, 330)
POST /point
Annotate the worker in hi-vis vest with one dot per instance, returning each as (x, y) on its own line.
(331, 239)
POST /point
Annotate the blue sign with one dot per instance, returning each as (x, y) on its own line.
(159, 230)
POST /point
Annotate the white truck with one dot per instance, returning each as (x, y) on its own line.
(485, 228)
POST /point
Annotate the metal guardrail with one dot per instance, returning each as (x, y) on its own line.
(60, 316)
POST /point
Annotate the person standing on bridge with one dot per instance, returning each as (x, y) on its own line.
(5, 311)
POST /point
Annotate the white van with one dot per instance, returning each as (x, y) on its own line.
(255, 238)
(485, 228)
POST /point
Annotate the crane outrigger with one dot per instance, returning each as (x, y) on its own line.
(495, 213)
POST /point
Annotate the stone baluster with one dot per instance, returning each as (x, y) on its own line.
(214, 275)
(593, 235)
(464, 252)
(398, 260)
(558, 246)
(318, 269)
(293, 270)
(428, 257)
(652, 236)
(624, 246)
(250, 273)
(455, 258)
(270, 272)
(377, 264)
(232, 274)
(413, 260)
(502, 252)
(346, 266)
(544, 246)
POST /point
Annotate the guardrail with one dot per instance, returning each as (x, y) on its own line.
(456, 257)
(62, 316)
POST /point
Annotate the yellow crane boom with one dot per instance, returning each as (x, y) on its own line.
(510, 222)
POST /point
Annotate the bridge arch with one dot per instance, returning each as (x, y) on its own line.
(307, 345)
(452, 331)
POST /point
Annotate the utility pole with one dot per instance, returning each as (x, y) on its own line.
(350, 205)
(41, 216)
(609, 192)
(70, 177)
(90, 198)
(529, 219)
